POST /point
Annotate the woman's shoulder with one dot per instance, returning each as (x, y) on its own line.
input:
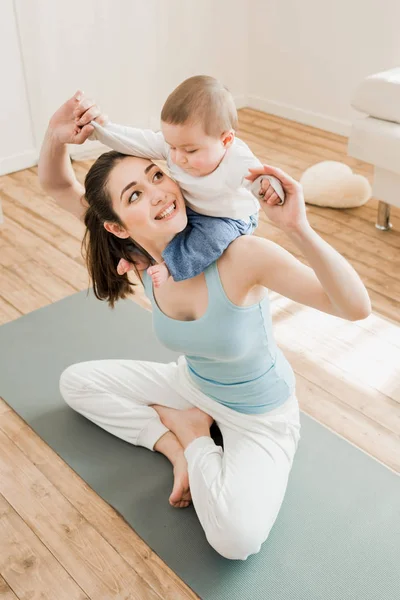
(245, 251)
(240, 265)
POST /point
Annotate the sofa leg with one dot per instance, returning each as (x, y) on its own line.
(382, 222)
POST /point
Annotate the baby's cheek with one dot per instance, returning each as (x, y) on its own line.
(205, 161)
(198, 162)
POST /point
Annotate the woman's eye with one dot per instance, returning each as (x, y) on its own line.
(133, 197)
(159, 175)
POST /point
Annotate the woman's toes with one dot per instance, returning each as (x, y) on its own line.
(180, 496)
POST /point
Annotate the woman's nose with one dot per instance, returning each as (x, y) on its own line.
(158, 196)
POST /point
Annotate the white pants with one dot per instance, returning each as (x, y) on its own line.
(237, 492)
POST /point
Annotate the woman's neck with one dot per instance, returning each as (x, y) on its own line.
(155, 249)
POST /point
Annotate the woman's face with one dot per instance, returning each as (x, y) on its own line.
(149, 204)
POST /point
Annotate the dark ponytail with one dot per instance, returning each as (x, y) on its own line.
(103, 250)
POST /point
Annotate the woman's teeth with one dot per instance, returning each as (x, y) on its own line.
(167, 211)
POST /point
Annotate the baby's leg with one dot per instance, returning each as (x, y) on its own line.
(201, 243)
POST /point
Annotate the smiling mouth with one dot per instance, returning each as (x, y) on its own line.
(166, 212)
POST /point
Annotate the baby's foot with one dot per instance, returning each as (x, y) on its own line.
(138, 262)
(159, 274)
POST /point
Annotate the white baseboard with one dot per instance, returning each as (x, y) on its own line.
(17, 162)
(300, 115)
(241, 101)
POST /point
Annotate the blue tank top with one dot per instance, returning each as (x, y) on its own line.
(230, 351)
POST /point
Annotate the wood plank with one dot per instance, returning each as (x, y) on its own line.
(346, 386)
(362, 432)
(27, 565)
(40, 279)
(307, 152)
(18, 293)
(8, 312)
(93, 508)
(307, 129)
(385, 262)
(332, 342)
(354, 222)
(6, 592)
(57, 262)
(372, 273)
(40, 226)
(91, 561)
(38, 203)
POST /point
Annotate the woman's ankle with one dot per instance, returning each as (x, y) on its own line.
(169, 445)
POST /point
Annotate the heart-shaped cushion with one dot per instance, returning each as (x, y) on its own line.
(333, 184)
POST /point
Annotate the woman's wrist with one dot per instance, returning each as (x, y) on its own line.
(300, 232)
(52, 138)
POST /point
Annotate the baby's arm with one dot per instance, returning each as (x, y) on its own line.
(144, 143)
(241, 161)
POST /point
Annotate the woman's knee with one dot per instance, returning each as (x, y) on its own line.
(237, 540)
(72, 383)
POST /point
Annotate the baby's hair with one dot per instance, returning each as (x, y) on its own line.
(201, 99)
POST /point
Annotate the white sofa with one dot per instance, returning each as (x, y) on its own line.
(376, 138)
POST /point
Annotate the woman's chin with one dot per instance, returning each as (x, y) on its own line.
(177, 220)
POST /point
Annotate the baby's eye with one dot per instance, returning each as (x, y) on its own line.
(192, 151)
(134, 196)
(158, 176)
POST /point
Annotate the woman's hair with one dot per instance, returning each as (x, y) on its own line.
(201, 99)
(103, 250)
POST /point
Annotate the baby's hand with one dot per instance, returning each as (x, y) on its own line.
(269, 189)
(159, 274)
(87, 110)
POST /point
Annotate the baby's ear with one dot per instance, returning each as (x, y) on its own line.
(228, 138)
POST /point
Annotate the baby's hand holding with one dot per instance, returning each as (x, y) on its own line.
(290, 216)
(87, 110)
(270, 189)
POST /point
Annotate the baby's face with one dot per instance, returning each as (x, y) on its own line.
(192, 149)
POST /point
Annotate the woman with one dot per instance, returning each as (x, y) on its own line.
(231, 372)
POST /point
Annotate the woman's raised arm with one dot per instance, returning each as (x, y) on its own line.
(329, 284)
(56, 174)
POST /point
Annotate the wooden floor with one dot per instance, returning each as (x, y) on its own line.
(58, 539)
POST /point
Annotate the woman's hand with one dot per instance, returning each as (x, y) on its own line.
(291, 216)
(70, 124)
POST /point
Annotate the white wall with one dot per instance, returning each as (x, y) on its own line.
(17, 145)
(306, 57)
(301, 60)
(128, 55)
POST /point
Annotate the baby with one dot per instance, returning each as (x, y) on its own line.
(203, 155)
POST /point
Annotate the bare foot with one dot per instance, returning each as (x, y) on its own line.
(187, 425)
(169, 445)
(180, 496)
(159, 274)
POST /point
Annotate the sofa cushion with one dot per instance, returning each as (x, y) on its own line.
(379, 95)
